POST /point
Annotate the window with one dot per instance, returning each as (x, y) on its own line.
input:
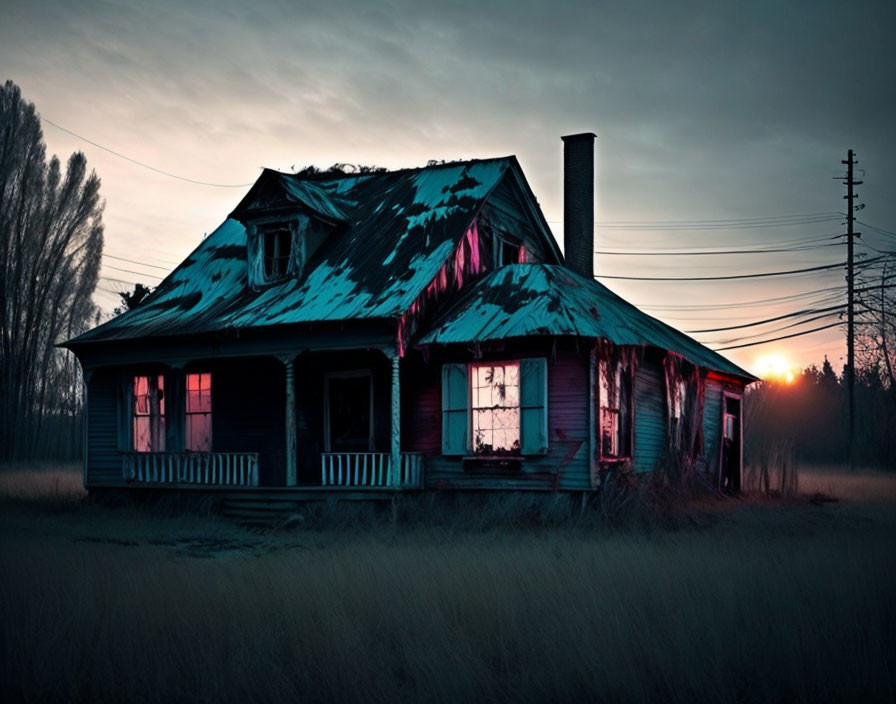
(149, 414)
(277, 249)
(508, 251)
(495, 408)
(199, 412)
(614, 392)
(495, 396)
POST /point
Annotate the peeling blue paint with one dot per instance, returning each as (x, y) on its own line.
(397, 229)
(521, 300)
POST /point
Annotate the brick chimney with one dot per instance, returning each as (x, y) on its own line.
(578, 202)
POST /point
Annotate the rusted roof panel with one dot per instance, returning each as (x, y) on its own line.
(399, 228)
(541, 299)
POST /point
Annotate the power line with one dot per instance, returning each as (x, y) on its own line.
(644, 253)
(773, 330)
(796, 314)
(776, 339)
(145, 166)
(879, 230)
(718, 225)
(133, 261)
(745, 304)
(825, 267)
(131, 271)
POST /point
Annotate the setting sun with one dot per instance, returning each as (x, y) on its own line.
(775, 367)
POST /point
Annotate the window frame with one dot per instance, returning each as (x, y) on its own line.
(188, 412)
(504, 452)
(624, 376)
(158, 422)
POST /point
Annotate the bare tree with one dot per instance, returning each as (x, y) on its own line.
(876, 363)
(51, 241)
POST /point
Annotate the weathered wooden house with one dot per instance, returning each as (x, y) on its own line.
(365, 333)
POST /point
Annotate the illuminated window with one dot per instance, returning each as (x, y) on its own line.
(614, 392)
(199, 412)
(149, 413)
(277, 250)
(495, 397)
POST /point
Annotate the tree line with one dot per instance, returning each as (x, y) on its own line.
(51, 242)
(810, 415)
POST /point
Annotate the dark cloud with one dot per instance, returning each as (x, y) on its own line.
(703, 109)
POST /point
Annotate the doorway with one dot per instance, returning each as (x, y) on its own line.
(732, 443)
(348, 411)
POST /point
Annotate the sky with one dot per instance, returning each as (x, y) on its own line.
(705, 112)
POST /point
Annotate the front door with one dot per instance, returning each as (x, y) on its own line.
(349, 412)
(732, 443)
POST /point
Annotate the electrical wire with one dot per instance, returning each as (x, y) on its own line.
(644, 253)
(796, 314)
(145, 166)
(745, 304)
(825, 267)
(774, 330)
(133, 261)
(776, 339)
(131, 271)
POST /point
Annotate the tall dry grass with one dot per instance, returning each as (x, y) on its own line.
(772, 604)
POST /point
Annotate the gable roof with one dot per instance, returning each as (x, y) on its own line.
(540, 299)
(397, 229)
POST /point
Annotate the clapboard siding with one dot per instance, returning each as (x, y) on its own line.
(565, 466)
(650, 414)
(712, 425)
(103, 458)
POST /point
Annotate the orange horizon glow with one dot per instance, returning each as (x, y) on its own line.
(776, 367)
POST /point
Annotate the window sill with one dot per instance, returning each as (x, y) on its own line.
(493, 458)
(614, 460)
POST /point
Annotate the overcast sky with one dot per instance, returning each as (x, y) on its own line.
(703, 111)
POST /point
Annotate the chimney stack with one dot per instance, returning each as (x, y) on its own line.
(578, 202)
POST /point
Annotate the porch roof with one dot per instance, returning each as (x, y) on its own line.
(394, 230)
(522, 300)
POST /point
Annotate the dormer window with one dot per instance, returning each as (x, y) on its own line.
(277, 252)
(276, 249)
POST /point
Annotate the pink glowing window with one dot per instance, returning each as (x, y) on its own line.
(614, 393)
(149, 413)
(199, 412)
(495, 407)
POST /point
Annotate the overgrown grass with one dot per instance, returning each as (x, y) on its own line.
(770, 603)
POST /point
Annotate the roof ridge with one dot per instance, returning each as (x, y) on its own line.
(337, 175)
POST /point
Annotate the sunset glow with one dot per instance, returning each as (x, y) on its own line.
(776, 367)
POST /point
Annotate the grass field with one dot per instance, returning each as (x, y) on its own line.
(754, 601)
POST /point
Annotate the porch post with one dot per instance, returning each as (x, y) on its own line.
(395, 462)
(291, 460)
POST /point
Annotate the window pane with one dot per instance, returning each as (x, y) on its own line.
(199, 432)
(142, 434)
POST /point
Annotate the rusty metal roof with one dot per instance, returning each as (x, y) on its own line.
(392, 233)
(523, 300)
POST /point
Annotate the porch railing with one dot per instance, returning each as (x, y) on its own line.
(370, 469)
(207, 468)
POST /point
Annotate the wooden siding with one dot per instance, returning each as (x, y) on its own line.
(650, 413)
(712, 426)
(103, 458)
(565, 466)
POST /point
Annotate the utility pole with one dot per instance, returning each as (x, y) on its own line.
(850, 182)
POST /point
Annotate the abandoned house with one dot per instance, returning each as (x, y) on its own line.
(378, 331)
